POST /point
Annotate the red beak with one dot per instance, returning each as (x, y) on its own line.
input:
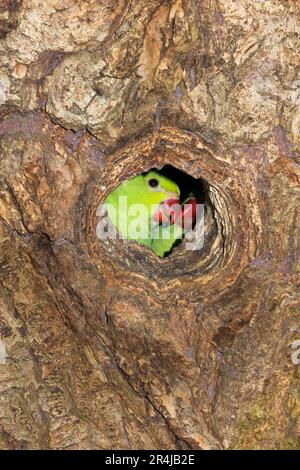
(168, 212)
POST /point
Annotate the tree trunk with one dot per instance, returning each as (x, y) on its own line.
(104, 345)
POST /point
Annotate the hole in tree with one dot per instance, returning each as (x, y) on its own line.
(177, 196)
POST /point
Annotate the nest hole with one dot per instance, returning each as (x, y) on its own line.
(215, 234)
(190, 187)
(188, 213)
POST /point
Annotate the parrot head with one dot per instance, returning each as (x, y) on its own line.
(165, 194)
(152, 189)
(160, 189)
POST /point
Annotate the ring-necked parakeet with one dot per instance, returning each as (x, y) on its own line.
(145, 208)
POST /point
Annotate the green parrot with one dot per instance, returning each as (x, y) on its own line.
(135, 210)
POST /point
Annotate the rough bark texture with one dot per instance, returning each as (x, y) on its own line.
(108, 346)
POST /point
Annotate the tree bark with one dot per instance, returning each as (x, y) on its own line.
(107, 346)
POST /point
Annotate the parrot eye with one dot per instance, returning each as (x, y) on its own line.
(153, 183)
